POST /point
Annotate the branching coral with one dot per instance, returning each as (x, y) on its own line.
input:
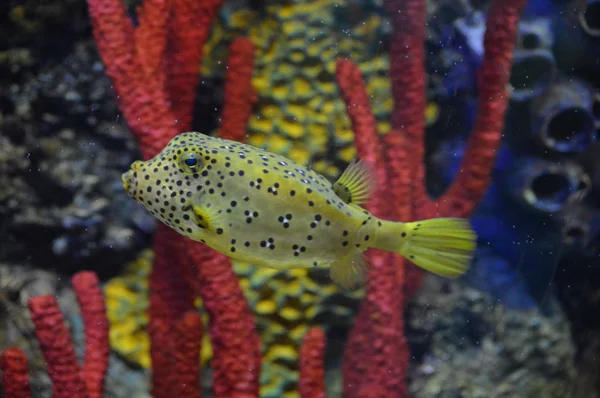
(376, 354)
(71, 380)
(155, 84)
(93, 312)
(379, 326)
(68, 378)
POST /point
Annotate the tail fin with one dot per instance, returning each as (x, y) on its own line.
(444, 246)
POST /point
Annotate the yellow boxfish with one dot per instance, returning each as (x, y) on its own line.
(264, 209)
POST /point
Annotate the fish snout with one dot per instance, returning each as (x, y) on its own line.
(130, 181)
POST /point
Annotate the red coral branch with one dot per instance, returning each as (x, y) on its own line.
(93, 311)
(378, 332)
(157, 104)
(407, 74)
(312, 373)
(162, 347)
(240, 96)
(379, 325)
(57, 348)
(151, 38)
(189, 28)
(141, 97)
(188, 343)
(475, 172)
(171, 297)
(368, 145)
(68, 379)
(397, 157)
(15, 378)
(376, 354)
(233, 336)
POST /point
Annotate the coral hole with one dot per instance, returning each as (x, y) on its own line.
(531, 72)
(596, 108)
(569, 123)
(531, 41)
(551, 187)
(591, 17)
(575, 232)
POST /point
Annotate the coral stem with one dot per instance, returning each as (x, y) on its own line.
(151, 38)
(239, 93)
(407, 73)
(141, 97)
(93, 311)
(171, 297)
(236, 345)
(312, 373)
(187, 354)
(475, 172)
(189, 27)
(57, 348)
(15, 378)
(364, 125)
(376, 354)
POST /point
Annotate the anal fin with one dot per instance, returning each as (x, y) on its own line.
(349, 272)
(356, 184)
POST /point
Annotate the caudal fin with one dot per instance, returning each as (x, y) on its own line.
(444, 246)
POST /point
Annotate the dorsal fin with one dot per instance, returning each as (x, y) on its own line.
(356, 184)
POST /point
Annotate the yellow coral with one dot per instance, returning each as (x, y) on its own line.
(298, 44)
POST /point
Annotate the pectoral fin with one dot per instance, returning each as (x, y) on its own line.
(208, 218)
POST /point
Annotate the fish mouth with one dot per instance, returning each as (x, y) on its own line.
(129, 182)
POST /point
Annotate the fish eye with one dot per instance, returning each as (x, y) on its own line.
(190, 162)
